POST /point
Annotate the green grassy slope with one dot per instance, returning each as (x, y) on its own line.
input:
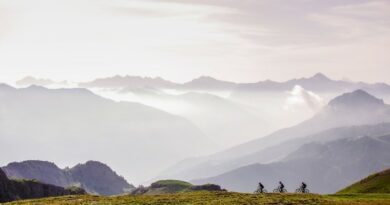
(217, 198)
(376, 183)
(168, 186)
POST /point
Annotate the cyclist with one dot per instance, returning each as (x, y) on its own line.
(261, 187)
(281, 186)
(303, 186)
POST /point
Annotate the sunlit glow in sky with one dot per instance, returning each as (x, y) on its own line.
(244, 41)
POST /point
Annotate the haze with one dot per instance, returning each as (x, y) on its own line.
(245, 41)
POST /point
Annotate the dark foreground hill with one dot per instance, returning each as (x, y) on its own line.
(95, 177)
(27, 189)
(216, 198)
(376, 183)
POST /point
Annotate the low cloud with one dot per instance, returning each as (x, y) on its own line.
(299, 98)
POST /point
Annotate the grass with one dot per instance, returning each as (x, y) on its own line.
(172, 183)
(376, 183)
(215, 198)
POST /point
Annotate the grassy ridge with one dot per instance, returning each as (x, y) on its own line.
(217, 198)
(376, 183)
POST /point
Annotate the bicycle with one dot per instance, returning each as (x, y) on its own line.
(259, 191)
(279, 189)
(302, 190)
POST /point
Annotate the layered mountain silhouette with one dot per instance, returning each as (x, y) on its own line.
(317, 83)
(349, 115)
(11, 190)
(94, 177)
(208, 83)
(29, 80)
(129, 82)
(65, 124)
(325, 167)
(221, 119)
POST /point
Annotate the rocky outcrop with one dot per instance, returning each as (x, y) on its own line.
(11, 190)
(94, 177)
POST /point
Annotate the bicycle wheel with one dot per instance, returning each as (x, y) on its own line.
(307, 191)
(276, 190)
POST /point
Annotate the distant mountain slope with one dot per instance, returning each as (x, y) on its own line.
(355, 108)
(375, 183)
(26, 189)
(350, 109)
(221, 119)
(29, 80)
(208, 83)
(63, 125)
(94, 177)
(203, 168)
(128, 82)
(325, 167)
(317, 83)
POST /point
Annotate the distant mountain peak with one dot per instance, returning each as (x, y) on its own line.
(205, 78)
(356, 98)
(4, 86)
(320, 76)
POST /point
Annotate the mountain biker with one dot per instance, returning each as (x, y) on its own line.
(261, 186)
(281, 186)
(303, 186)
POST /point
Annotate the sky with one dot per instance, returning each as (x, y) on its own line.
(242, 41)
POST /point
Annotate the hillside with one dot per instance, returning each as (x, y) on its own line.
(355, 109)
(72, 125)
(375, 183)
(173, 186)
(95, 177)
(215, 198)
(26, 189)
(325, 167)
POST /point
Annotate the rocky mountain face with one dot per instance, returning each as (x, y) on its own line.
(28, 189)
(94, 177)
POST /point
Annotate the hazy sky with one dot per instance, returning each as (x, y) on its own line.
(240, 40)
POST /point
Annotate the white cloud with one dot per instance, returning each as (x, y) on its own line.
(299, 98)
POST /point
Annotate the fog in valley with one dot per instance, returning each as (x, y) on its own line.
(224, 92)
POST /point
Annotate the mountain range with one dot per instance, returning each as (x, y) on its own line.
(317, 83)
(63, 125)
(94, 177)
(325, 167)
(347, 116)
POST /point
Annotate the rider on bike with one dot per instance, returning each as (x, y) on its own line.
(261, 187)
(303, 186)
(281, 186)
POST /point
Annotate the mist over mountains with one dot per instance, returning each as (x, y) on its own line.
(68, 125)
(347, 116)
(205, 130)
